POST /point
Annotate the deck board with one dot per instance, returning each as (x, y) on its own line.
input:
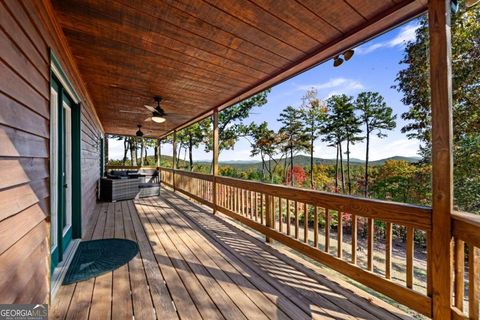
(194, 265)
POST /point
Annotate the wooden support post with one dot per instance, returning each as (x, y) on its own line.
(159, 154)
(442, 160)
(215, 160)
(174, 157)
(158, 151)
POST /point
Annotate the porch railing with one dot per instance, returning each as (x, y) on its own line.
(278, 212)
(292, 216)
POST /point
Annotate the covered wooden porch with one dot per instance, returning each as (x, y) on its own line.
(195, 265)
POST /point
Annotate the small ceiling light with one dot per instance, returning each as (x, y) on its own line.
(337, 61)
(348, 54)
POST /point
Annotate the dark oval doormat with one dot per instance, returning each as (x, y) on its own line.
(97, 257)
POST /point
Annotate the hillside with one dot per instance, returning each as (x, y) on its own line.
(304, 161)
(300, 160)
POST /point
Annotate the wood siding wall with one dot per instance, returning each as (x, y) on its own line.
(27, 31)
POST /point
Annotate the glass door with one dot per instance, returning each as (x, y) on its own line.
(61, 171)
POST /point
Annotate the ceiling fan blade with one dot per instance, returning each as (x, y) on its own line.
(150, 108)
(149, 119)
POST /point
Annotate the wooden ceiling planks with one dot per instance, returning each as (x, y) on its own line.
(202, 54)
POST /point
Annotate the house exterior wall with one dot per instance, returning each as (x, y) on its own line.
(28, 32)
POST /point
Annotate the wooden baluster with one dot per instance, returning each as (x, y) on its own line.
(296, 219)
(388, 250)
(261, 208)
(242, 202)
(237, 200)
(459, 269)
(327, 230)
(274, 212)
(473, 281)
(255, 205)
(269, 213)
(230, 197)
(280, 215)
(370, 244)
(288, 216)
(305, 223)
(410, 247)
(315, 226)
(429, 265)
(249, 204)
(250, 194)
(339, 234)
(354, 239)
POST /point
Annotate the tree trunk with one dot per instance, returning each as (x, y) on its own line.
(142, 147)
(270, 170)
(348, 168)
(125, 149)
(336, 171)
(146, 156)
(190, 153)
(291, 166)
(342, 172)
(312, 185)
(366, 163)
(133, 152)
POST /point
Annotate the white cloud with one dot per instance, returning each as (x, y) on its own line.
(334, 83)
(335, 86)
(406, 34)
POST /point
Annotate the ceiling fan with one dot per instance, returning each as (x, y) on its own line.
(139, 132)
(158, 114)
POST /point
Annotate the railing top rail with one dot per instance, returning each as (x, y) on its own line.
(197, 175)
(129, 167)
(405, 214)
(466, 226)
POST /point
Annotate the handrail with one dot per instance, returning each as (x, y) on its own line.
(466, 226)
(406, 214)
(196, 175)
(276, 211)
(122, 167)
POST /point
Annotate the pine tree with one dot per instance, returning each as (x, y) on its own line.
(342, 125)
(314, 113)
(294, 137)
(377, 117)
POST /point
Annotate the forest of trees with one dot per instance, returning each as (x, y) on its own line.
(342, 121)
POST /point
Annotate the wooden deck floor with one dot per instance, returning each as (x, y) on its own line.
(193, 265)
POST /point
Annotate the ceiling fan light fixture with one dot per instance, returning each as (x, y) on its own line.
(158, 119)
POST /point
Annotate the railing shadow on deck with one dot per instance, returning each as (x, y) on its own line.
(276, 271)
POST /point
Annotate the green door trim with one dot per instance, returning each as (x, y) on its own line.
(60, 83)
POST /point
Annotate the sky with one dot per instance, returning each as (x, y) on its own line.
(373, 67)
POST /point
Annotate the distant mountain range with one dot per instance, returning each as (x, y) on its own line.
(304, 161)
